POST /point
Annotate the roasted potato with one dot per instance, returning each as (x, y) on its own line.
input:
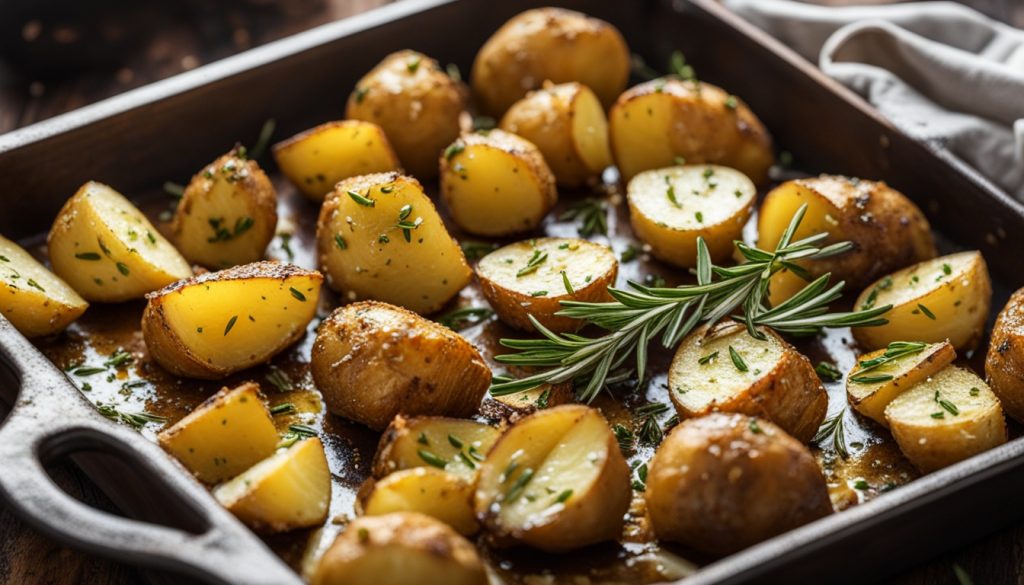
(567, 124)
(549, 44)
(379, 237)
(290, 489)
(657, 123)
(315, 160)
(882, 375)
(514, 406)
(723, 482)
(107, 250)
(416, 103)
(402, 548)
(222, 322)
(455, 445)
(496, 183)
(939, 299)
(228, 213)
(947, 418)
(33, 299)
(888, 231)
(534, 276)
(426, 490)
(724, 368)
(1004, 364)
(669, 208)
(556, 480)
(373, 360)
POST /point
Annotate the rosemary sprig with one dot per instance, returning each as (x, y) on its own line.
(833, 429)
(592, 214)
(894, 351)
(136, 420)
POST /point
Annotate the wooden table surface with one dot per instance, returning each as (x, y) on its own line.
(203, 31)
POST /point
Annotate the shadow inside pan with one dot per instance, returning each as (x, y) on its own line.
(8, 388)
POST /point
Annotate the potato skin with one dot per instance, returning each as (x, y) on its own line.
(723, 482)
(1004, 363)
(372, 361)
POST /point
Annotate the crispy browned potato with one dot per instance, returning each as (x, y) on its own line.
(455, 445)
(1004, 364)
(372, 361)
(33, 299)
(723, 482)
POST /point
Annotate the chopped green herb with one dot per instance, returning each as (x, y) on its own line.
(122, 268)
(730, 102)
(828, 372)
(283, 408)
(360, 94)
(704, 360)
(568, 285)
(630, 253)
(119, 359)
(340, 242)
(34, 284)
(754, 426)
(454, 149)
(423, 440)
(562, 497)
(927, 312)
(361, 200)
(538, 293)
(231, 323)
(737, 360)
(699, 216)
(413, 64)
(87, 256)
(519, 486)
(861, 484)
(431, 459)
(533, 263)
(297, 294)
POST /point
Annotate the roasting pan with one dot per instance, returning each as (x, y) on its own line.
(170, 128)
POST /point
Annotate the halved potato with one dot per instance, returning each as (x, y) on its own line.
(946, 298)
(379, 237)
(402, 548)
(290, 489)
(533, 277)
(373, 361)
(556, 480)
(221, 322)
(224, 436)
(456, 445)
(669, 208)
(1004, 363)
(656, 123)
(32, 298)
(315, 160)
(724, 368)
(947, 418)
(107, 250)
(426, 490)
(567, 124)
(871, 391)
(496, 183)
(228, 213)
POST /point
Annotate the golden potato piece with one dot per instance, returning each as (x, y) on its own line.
(379, 237)
(669, 208)
(426, 490)
(455, 445)
(556, 480)
(33, 299)
(222, 322)
(104, 247)
(1004, 364)
(723, 482)
(514, 406)
(534, 276)
(882, 375)
(373, 361)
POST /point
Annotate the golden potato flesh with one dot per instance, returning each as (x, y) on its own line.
(373, 361)
(534, 276)
(426, 490)
(379, 237)
(315, 160)
(724, 368)
(32, 298)
(944, 298)
(870, 388)
(723, 482)
(549, 44)
(671, 207)
(1004, 363)
(657, 123)
(227, 215)
(107, 250)
(556, 480)
(223, 322)
(455, 445)
(567, 124)
(496, 183)
(417, 105)
(947, 418)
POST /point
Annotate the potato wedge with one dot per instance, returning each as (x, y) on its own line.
(104, 247)
(228, 213)
(549, 44)
(534, 276)
(656, 123)
(886, 228)
(947, 418)
(456, 445)
(315, 160)
(33, 299)
(1004, 363)
(944, 298)
(222, 322)
(426, 490)
(416, 103)
(224, 436)
(900, 366)
(723, 482)
(496, 183)
(402, 548)
(556, 480)
(373, 361)
(723, 368)
(379, 237)
(671, 207)
(290, 489)
(567, 124)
